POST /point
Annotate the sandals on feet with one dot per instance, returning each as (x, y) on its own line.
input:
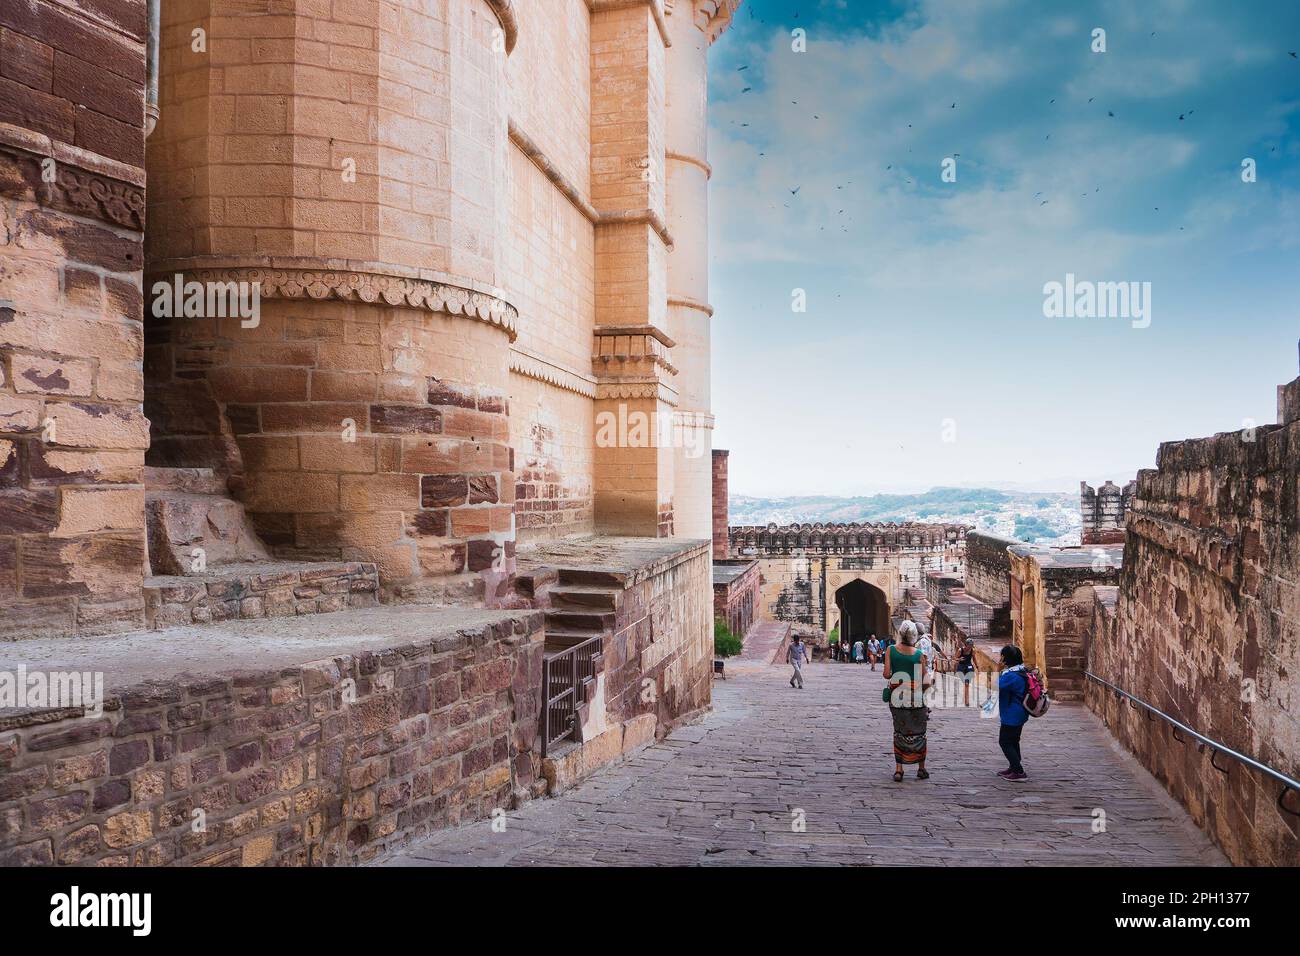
(898, 776)
(923, 775)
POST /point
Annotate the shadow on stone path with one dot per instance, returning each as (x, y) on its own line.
(730, 789)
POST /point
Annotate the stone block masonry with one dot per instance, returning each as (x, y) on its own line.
(988, 570)
(1052, 608)
(658, 649)
(274, 589)
(1103, 510)
(1206, 627)
(72, 432)
(736, 594)
(324, 761)
(804, 565)
(720, 504)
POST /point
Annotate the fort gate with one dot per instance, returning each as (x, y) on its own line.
(852, 576)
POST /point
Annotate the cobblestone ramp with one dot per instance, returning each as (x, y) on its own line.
(729, 791)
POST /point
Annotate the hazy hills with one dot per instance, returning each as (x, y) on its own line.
(1039, 516)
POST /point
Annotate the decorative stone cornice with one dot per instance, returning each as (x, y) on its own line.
(622, 391)
(531, 365)
(715, 15)
(567, 188)
(651, 331)
(84, 183)
(950, 531)
(505, 11)
(711, 16)
(631, 349)
(688, 419)
(528, 146)
(690, 161)
(846, 538)
(685, 303)
(638, 216)
(282, 281)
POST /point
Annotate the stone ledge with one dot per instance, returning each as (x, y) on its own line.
(579, 762)
(628, 561)
(299, 748)
(296, 277)
(86, 184)
(252, 645)
(259, 589)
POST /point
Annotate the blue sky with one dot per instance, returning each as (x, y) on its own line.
(925, 298)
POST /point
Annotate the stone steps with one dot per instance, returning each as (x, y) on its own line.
(192, 524)
(585, 598)
(259, 589)
(591, 622)
(558, 639)
(209, 565)
(589, 578)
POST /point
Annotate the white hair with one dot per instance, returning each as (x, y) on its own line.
(907, 632)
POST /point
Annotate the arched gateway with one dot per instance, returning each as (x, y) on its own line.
(863, 609)
(817, 573)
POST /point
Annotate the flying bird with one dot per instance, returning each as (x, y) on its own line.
(795, 191)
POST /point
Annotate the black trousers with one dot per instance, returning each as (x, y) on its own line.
(1009, 741)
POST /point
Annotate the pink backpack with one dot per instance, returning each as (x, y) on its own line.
(1036, 700)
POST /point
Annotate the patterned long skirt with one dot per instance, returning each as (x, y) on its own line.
(910, 724)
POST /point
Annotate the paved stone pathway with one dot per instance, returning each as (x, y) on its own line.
(728, 790)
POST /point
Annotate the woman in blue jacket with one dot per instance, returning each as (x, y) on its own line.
(1012, 687)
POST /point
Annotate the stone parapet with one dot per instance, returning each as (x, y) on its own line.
(344, 739)
(72, 432)
(274, 589)
(1204, 628)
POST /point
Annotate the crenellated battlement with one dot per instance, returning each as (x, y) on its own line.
(846, 538)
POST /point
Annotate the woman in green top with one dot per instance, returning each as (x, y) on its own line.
(905, 672)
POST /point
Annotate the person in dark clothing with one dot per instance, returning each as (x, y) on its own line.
(1012, 687)
(966, 669)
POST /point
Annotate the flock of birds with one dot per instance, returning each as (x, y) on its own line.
(1182, 117)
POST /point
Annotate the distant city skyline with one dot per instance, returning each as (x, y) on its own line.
(924, 357)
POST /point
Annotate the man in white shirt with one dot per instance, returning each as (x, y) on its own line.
(927, 649)
(795, 656)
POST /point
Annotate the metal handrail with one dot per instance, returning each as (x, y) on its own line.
(1216, 746)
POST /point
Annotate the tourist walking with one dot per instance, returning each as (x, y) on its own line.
(796, 655)
(844, 650)
(1013, 685)
(925, 645)
(905, 675)
(966, 669)
(873, 650)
